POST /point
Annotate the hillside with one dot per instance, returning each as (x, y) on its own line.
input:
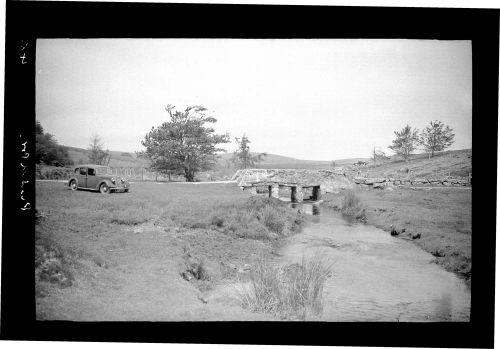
(455, 163)
(279, 161)
(118, 158)
(124, 159)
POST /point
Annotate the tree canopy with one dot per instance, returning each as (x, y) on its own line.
(242, 157)
(436, 137)
(406, 142)
(184, 144)
(48, 151)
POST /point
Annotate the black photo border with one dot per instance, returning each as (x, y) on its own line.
(28, 21)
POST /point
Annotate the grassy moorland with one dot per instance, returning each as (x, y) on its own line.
(155, 253)
(454, 163)
(438, 219)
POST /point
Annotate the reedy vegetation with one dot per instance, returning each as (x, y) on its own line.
(293, 291)
(351, 205)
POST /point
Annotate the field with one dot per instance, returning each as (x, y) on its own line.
(167, 251)
(438, 220)
(155, 253)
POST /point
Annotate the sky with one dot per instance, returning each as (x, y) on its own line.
(309, 99)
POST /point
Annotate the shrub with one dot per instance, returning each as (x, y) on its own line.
(291, 291)
(217, 221)
(46, 172)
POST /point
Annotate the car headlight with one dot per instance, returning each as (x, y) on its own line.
(123, 181)
(113, 180)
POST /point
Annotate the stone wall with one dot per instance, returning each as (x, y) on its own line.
(332, 181)
(423, 182)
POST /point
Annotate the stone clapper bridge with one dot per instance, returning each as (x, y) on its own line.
(298, 180)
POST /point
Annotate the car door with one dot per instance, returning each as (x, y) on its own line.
(82, 178)
(91, 178)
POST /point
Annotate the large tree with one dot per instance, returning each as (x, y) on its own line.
(436, 137)
(242, 157)
(406, 142)
(184, 143)
(47, 150)
(98, 155)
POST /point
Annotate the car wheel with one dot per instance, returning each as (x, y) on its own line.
(73, 185)
(104, 189)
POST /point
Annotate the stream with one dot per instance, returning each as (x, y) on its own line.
(376, 277)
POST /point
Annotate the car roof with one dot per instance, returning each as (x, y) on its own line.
(91, 166)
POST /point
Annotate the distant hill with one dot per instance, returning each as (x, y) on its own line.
(281, 162)
(454, 163)
(118, 158)
(125, 159)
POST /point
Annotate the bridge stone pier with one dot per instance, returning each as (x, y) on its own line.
(298, 181)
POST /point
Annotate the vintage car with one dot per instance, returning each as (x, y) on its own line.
(97, 177)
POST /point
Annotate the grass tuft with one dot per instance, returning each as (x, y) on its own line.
(293, 291)
(351, 205)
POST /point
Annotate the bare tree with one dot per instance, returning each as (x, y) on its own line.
(242, 157)
(98, 155)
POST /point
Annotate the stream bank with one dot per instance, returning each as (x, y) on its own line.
(437, 220)
(375, 276)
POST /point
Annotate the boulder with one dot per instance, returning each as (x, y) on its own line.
(419, 181)
(359, 180)
(374, 180)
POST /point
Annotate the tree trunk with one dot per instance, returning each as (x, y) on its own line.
(189, 174)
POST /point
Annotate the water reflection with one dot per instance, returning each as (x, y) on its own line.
(307, 208)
